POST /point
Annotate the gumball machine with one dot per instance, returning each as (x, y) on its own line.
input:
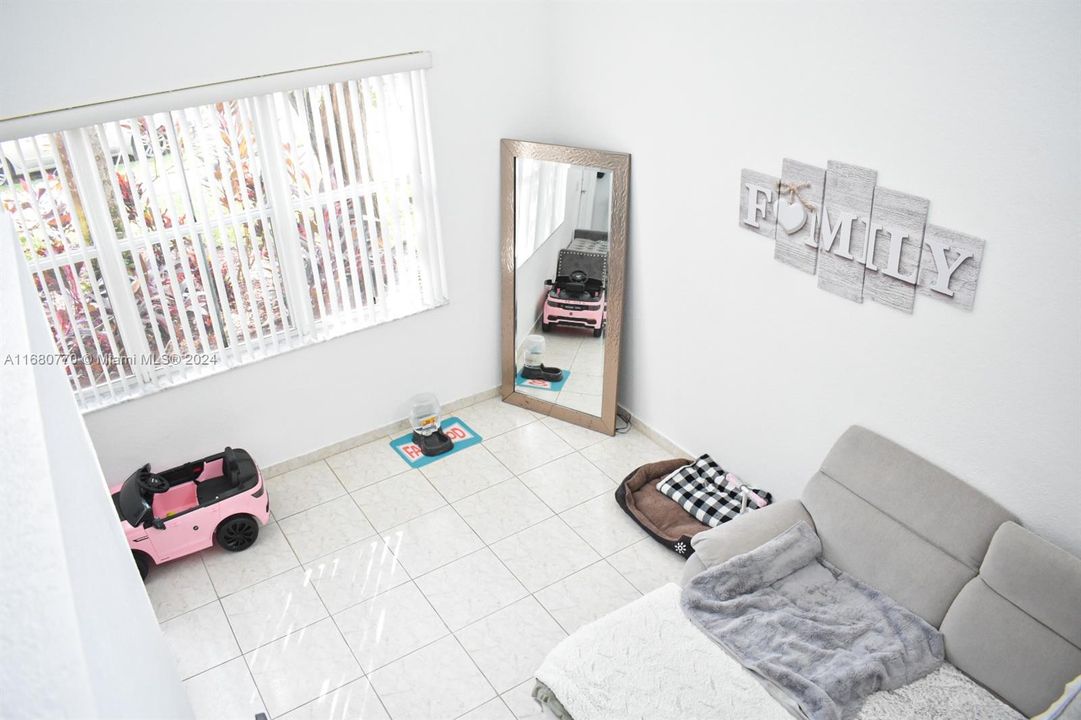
(425, 417)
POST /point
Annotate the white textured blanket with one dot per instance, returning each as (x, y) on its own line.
(647, 660)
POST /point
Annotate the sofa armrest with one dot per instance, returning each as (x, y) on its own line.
(745, 533)
(692, 567)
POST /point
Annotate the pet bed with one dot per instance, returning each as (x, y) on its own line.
(661, 517)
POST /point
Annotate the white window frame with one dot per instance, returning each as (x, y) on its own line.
(303, 328)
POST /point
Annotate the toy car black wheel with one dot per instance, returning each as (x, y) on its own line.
(597, 332)
(545, 327)
(142, 561)
(237, 533)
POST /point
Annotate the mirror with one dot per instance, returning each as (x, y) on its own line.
(563, 249)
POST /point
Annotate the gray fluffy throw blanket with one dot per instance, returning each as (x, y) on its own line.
(821, 637)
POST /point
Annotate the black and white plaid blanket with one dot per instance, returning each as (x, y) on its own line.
(701, 489)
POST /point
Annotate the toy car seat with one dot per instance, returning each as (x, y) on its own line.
(580, 274)
(230, 467)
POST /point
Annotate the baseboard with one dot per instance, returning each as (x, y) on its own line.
(400, 426)
(394, 428)
(655, 435)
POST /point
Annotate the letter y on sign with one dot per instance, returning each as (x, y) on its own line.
(950, 266)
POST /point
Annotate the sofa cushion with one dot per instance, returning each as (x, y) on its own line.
(900, 523)
(692, 567)
(748, 531)
(937, 506)
(883, 552)
(1067, 706)
(1014, 629)
(1037, 576)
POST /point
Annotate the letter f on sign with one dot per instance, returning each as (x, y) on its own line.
(758, 198)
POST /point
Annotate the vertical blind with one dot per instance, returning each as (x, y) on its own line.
(540, 193)
(181, 241)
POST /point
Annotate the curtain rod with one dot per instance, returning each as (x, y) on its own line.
(77, 116)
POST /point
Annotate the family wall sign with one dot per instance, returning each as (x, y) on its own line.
(861, 240)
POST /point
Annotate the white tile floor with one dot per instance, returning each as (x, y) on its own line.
(382, 592)
(583, 355)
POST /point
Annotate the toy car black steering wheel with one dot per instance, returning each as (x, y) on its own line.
(152, 482)
(578, 276)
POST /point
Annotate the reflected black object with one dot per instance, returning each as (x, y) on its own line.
(542, 372)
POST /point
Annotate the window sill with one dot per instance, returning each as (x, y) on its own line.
(125, 396)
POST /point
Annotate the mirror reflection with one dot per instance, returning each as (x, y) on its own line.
(562, 218)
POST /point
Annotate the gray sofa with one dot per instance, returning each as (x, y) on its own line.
(1007, 601)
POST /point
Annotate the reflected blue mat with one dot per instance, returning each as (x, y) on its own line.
(462, 435)
(543, 384)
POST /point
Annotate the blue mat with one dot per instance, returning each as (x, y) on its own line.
(543, 384)
(462, 435)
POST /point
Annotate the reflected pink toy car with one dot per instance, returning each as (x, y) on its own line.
(219, 499)
(576, 297)
(571, 303)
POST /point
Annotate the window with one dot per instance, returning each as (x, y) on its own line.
(172, 244)
(541, 196)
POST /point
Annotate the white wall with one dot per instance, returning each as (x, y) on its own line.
(488, 81)
(602, 201)
(976, 106)
(79, 636)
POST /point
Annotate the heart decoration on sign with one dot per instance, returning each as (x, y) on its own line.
(791, 216)
(792, 213)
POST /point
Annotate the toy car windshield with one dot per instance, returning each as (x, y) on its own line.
(575, 285)
(131, 503)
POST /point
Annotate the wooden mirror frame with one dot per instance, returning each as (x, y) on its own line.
(619, 164)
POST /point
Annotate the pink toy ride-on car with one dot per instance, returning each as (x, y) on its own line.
(177, 512)
(576, 297)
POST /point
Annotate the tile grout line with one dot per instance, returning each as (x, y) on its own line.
(379, 538)
(473, 661)
(243, 655)
(363, 673)
(530, 594)
(568, 577)
(247, 666)
(485, 545)
(268, 577)
(451, 633)
(617, 484)
(538, 601)
(489, 546)
(278, 517)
